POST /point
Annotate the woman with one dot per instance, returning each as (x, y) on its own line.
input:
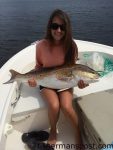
(58, 48)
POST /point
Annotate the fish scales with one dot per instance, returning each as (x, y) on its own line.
(65, 76)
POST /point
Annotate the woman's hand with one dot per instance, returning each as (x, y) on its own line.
(32, 82)
(81, 84)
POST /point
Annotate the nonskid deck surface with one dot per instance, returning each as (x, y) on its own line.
(65, 138)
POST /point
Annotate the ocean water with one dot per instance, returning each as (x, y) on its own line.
(24, 21)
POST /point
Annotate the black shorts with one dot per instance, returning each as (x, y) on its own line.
(57, 90)
(41, 87)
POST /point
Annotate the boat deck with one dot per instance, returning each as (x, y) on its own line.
(65, 138)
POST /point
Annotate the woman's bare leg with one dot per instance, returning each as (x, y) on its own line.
(52, 99)
(66, 98)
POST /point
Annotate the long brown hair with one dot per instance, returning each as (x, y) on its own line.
(68, 43)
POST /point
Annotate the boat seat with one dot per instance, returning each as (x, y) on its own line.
(96, 113)
(29, 101)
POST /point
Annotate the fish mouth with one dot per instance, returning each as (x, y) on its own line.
(95, 76)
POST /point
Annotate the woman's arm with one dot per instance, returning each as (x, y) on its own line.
(32, 81)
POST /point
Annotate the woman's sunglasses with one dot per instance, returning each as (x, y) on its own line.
(55, 26)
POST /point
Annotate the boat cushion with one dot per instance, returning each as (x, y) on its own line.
(30, 101)
(96, 111)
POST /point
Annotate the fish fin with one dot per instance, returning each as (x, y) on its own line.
(13, 75)
(9, 81)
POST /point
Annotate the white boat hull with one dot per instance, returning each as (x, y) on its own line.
(19, 108)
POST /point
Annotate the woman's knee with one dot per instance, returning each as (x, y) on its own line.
(66, 107)
(54, 106)
(66, 101)
(51, 97)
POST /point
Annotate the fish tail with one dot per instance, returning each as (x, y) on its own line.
(13, 76)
